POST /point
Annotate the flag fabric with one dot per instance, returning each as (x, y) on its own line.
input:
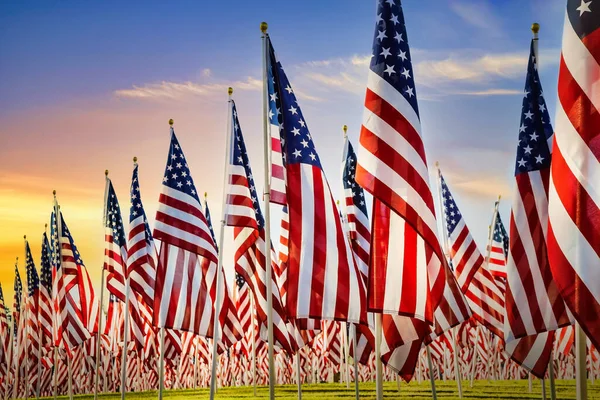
(33, 333)
(244, 214)
(115, 244)
(244, 312)
(574, 200)
(498, 250)
(323, 280)
(485, 298)
(532, 352)
(17, 298)
(355, 210)
(4, 335)
(533, 302)
(181, 294)
(141, 254)
(75, 305)
(392, 166)
(45, 315)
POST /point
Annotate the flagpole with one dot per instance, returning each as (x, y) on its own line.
(39, 364)
(298, 375)
(216, 326)
(431, 377)
(10, 348)
(580, 363)
(98, 338)
(125, 339)
(378, 364)
(267, 199)
(353, 333)
(252, 311)
(16, 355)
(26, 325)
(70, 377)
(161, 364)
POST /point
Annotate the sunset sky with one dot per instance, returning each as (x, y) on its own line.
(85, 87)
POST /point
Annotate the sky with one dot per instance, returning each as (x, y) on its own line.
(86, 86)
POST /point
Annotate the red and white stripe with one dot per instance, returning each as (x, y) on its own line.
(532, 352)
(574, 198)
(277, 183)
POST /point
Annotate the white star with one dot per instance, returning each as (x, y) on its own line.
(522, 162)
(528, 149)
(394, 19)
(179, 184)
(522, 128)
(534, 136)
(409, 91)
(293, 110)
(304, 143)
(525, 93)
(289, 89)
(389, 69)
(385, 52)
(270, 114)
(584, 7)
(398, 37)
(528, 115)
(542, 108)
(381, 35)
(312, 156)
(273, 96)
(402, 55)
(539, 159)
(406, 73)
(302, 124)
(297, 153)
(296, 131)
(379, 19)
(390, 2)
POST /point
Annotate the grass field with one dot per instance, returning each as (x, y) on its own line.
(446, 390)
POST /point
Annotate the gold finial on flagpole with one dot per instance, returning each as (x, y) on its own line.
(535, 27)
(263, 27)
(230, 90)
(25, 237)
(171, 122)
(345, 129)
(45, 226)
(205, 195)
(135, 160)
(499, 197)
(105, 172)
(54, 193)
(437, 164)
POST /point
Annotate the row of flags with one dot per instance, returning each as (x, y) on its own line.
(167, 289)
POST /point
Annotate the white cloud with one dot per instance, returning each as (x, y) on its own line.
(480, 15)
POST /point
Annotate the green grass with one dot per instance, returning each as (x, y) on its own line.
(446, 390)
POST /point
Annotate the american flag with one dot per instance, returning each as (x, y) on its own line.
(18, 297)
(4, 335)
(181, 295)
(574, 200)
(392, 167)
(75, 304)
(323, 279)
(355, 210)
(141, 254)
(33, 332)
(244, 312)
(284, 241)
(45, 316)
(533, 302)
(115, 244)
(484, 297)
(244, 213)
(498, 249)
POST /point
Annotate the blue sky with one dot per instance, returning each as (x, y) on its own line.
(85, 86)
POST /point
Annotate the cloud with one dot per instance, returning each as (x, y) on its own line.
(493, 92)
(174, 90)
(480, 15)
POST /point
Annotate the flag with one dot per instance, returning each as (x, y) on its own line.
(533, 302)
(244, 311)
(33, 333)
(484, 297)
(181, 294)
(115, 250)
(4, 335)
(323, 280)
(574, 199)
(244, 214)
(392, 167)
(18, 297)
(75, 304)
(45, 315)
(498, 249)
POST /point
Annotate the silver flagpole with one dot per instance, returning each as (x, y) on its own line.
(125, 341)
(215, 360)
(26, 327)
(70, 377)
(298, 375)
(98, 337)
(161, 365)
(378, 364)
(267, 196)
(253, 345)
(353, 333)
(39, 363)
(16, 350)
(580, 363)
(431, 377)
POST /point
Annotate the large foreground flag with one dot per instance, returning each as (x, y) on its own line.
(115, 244)
(392, 167)
(533, 303)
(574, 195)
(181, 296)
(323, 279)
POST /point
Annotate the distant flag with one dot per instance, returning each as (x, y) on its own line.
(4, 336)
(533, 302)
(484, 297)
(244, 312)
(45, 314)
(75, 304)
(574, 198)
(323, 280)
(244, 214)
(181, 296)
(115, 244)
(33, 332)
(498, 250)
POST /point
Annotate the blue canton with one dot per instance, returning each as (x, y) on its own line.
(209, 223)
(46, 266)
(137, 209)
(533, 152)
(55, 242)
(297, 144)
(177, 173)
(500, 234)
(349, 179)
(113, 218)
(451, 213)
(391, 55)
(239, 279)
(33, 282)
(240, 158)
